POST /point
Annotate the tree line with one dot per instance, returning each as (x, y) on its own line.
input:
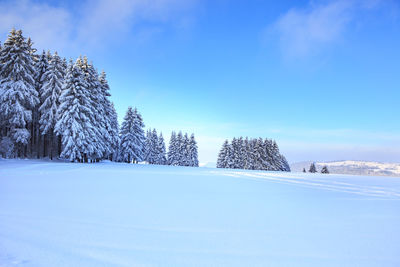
(252, 154)
(53, 108)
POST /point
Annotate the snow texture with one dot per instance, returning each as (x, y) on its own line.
(116, 214)
(353, 167)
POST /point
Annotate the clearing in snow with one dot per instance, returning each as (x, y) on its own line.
(115, 214)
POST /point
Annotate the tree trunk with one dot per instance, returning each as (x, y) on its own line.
(51, 145)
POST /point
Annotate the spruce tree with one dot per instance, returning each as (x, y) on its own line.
(325, 169)
(186, 159)
(161, 159)
(73, 115)
(50, 93)
(17, 89)
(96, 114)
(114, 133)
(147, 146)
(41, 66)
(179, 149)
(312, 169)
(222, 156)
(193, 153)
(132, 137)
(172, 150)
(109, 117)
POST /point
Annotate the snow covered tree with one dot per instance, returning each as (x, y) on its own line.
(173, 150)
(325, 169)
(109, 120)
(161, 159)
(6, 147)
(147, 146)
(253, 154)
(96, 115)
(185, 151)
(222, 156)
(132, 137)
(179, 148)
(151, 147)
(312, 169)
(41, 66)
(193, 153)
(284, 164)
(17, 92)
(50, 93)
(73, 115)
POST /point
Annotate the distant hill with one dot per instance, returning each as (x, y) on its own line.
(352, 167)
(208, 164)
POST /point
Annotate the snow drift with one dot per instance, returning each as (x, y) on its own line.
(116, 214)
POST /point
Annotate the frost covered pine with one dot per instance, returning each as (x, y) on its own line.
(182, 150)
(18, 96)
(312, 169)
(172, 150)
(73, 115)
(110, 120)
(253, 154)
(50, 93)
(132, 137)
(193, 153)
(222, 161)
(161, 158)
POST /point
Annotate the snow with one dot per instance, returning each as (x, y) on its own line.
(353, 167)
(116, 214)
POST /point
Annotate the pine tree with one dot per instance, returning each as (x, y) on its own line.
(161, 159)
(41, 66)
(222, 156)
(186, 159)
(17, 92)
(285, 165)
(50, 94)
(114, 133)
(304, 170)
(172, 150)
(109, 117)
(193, 153)
(179, 149)
(132, 137)
(96, 114)
(152, 147)
(147, 146)
(73, 115)
(253, 154)
(312, 169)
(325, 170)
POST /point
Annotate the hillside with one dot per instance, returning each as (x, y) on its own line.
(353, 167)
(116, 214)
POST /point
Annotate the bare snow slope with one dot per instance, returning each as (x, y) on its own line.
(353, 167)
(110, 214)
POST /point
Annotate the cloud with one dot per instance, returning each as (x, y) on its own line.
(306, 31)
(46, 24)
(94, 24)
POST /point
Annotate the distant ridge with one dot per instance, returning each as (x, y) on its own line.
(208, 165)
(352, 167)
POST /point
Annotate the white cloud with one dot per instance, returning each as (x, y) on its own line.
(47, 25)
(304, 32)
(94, 24)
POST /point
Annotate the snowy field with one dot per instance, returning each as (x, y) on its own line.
(115, 214)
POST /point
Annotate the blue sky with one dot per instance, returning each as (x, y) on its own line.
(320, 77)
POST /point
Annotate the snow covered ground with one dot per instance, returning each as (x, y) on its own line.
(353, 167)
(115, 214)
